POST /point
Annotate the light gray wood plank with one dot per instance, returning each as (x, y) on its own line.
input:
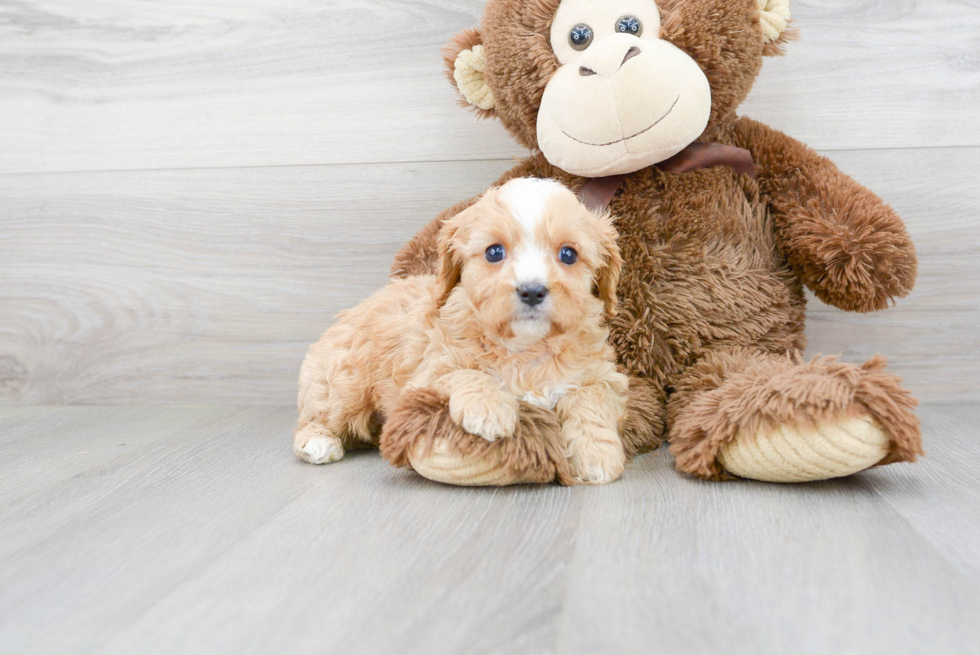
(207, 286)
(76, 552)
(940, 496)
(676, 565)
(220, 541)
(75, 446)
(381, 567)
(153, 84)
(935, 352)
(224, 540)
(158, 437)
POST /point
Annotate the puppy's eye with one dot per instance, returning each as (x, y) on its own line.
(568, 256)
(580, 37)
(629, 25)
(495, 253)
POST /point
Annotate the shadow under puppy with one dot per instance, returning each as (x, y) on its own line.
(527, 277)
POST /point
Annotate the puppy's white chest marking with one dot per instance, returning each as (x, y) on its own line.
(545, 396)
(549, 399)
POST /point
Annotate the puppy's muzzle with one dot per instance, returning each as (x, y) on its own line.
(532, 295)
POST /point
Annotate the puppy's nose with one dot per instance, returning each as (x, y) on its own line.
(532, 294)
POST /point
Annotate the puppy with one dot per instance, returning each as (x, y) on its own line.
(527, 276)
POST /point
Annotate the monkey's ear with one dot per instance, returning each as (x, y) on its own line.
(776, 32)
(465, 63)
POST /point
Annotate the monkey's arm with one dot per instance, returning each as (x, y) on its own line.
(849, 247)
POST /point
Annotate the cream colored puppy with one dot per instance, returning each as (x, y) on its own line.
(527, 276)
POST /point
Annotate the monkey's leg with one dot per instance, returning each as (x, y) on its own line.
(742, 412)
(420, 434)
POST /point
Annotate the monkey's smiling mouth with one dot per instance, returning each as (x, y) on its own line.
(627, 138)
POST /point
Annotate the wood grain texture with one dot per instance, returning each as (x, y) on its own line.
(849, 566)
(203, 533)
(154, 84)
(224, 504)
(208, 285)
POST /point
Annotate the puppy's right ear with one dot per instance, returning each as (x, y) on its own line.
(607, 275)
(450, 263)
(466, 62)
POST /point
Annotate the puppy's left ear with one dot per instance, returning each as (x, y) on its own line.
(607, 275)
(450, 263)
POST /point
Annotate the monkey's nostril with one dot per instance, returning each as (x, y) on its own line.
(632, 52)
(585, 72)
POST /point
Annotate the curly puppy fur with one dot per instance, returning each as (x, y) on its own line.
(524, 324)
(715, 263)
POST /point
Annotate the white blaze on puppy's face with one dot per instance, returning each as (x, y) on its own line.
(527, 199)
(530, 264)
(509, 250)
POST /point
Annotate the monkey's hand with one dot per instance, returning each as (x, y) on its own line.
(847, 245)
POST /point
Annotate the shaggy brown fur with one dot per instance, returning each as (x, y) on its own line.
(711, 293)
(534, 454)
(642, 429)
(742, 389)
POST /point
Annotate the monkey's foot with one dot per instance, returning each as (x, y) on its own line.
(777, 418)
(788, 453)
(443, 463)
(421, 435)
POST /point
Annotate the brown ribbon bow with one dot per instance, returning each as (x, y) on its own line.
(598, 192)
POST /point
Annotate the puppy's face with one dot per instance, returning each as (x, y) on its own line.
(529, 255)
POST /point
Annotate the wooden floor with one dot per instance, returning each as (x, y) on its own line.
(194, 530)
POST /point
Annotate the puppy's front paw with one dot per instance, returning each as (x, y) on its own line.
(489, 416)
(316, 445)
(596, 459)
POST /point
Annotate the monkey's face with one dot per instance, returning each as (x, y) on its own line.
(613, 86)
(623, 98)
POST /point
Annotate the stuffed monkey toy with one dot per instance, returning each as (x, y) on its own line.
(722, 222)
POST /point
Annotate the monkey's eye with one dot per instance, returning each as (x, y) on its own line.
(495, 253)
(580, 37)
(629, 25)
(567, 255)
